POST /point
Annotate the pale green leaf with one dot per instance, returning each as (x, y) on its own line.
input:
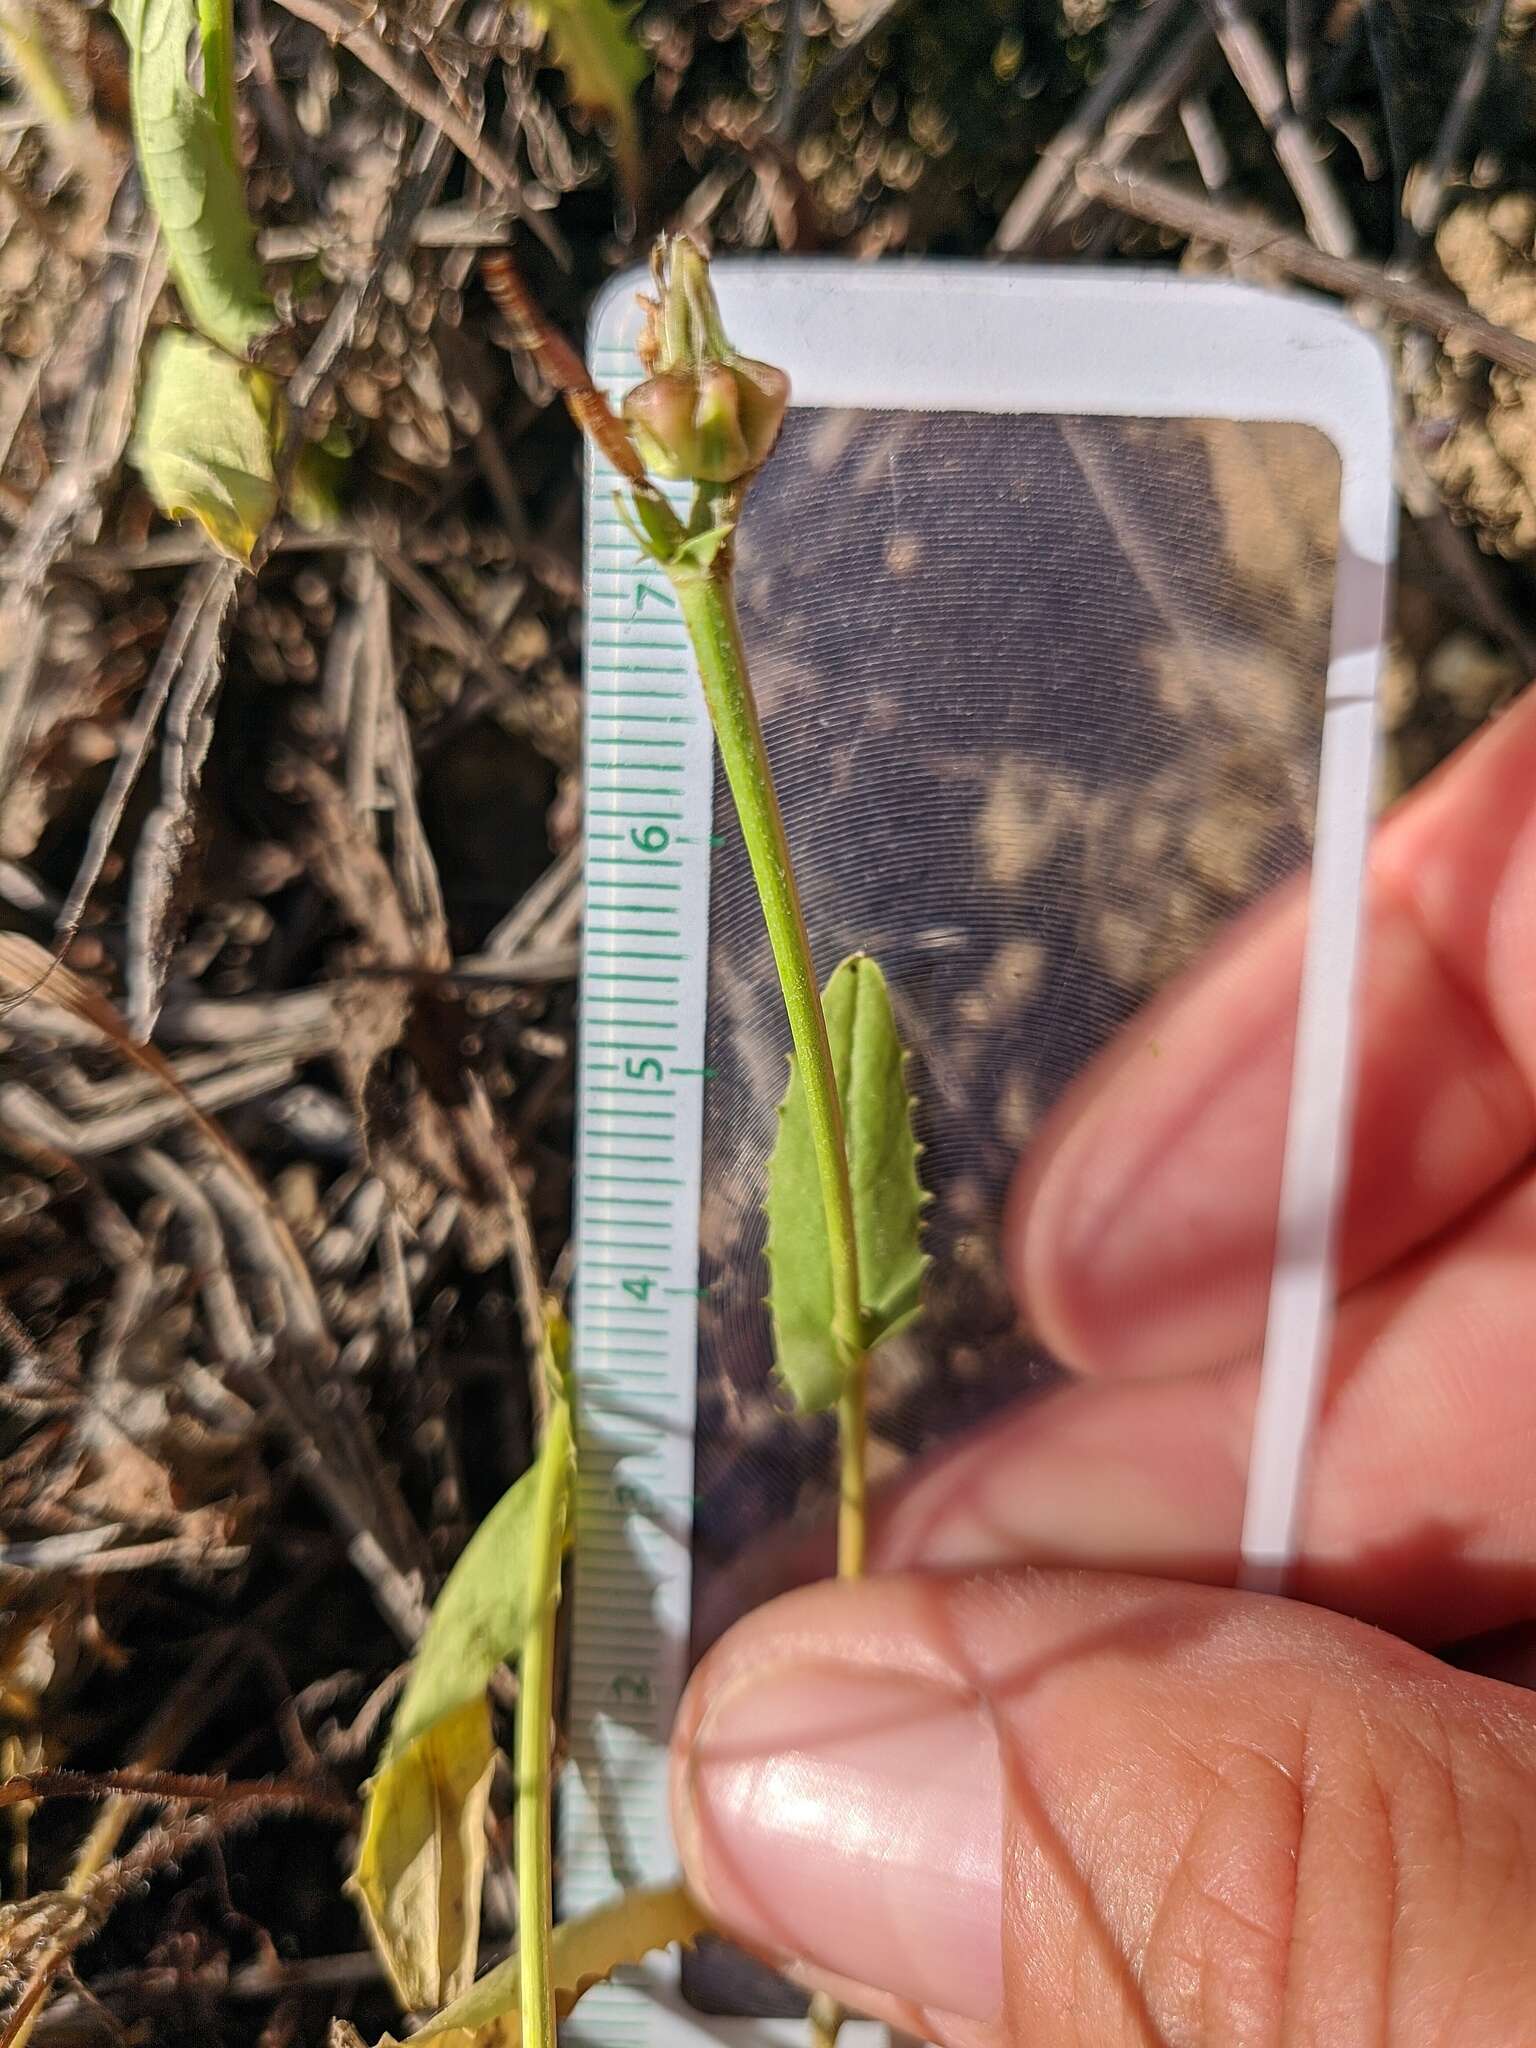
(421, 1857)
(205, 439)
(596, 49)
(183, 139)
(483, 1612)
(888, 1198)
(581, 1953)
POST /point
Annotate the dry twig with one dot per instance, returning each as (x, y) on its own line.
(1248, 237)
(355, 32)
(1254, 67)
(1034, 205)
(1427, 200)
(192, 642)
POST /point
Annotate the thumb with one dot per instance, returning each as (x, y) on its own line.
(1044, 1807)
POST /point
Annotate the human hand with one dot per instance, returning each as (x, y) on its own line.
(992, 1803)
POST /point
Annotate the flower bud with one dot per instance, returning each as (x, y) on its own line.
(762, 399)
(659, 414)
(720, 449)
(705, 412)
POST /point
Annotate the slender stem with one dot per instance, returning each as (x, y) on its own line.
(709, 611)
(216, 33)
(535, 1711)
(852, 1445)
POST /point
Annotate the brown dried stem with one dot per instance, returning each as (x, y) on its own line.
(560, 364)
(355, 32)
(1248, 237)
(176, 1787)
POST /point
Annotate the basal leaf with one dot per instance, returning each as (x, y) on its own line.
(582, 1953)
(421, 1858)
(183, 139)
(205, 439)
(602, 62)
(887, 1196)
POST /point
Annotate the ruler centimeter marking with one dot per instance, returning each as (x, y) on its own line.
(649, 770)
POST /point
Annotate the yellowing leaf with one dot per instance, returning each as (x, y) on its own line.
(602, 62)
(888, 1198)
(582, 1953)
(183, 139)
(421, 1859)
(205, 439)
(421, 1862)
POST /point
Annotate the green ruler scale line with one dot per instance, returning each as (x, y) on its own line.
(649, 780)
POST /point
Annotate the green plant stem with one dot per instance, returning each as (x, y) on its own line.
(852, 1490)
(708, 606)
(535, 1711)
(216, 33)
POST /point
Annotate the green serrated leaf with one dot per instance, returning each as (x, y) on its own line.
(603, 64)
(205, 439)
(888, 1198)
(582, 1953)
(421, 1857)
(184, 141)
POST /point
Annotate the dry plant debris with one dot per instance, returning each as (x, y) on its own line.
(284, 1143)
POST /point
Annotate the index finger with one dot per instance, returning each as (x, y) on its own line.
(1140, 1232)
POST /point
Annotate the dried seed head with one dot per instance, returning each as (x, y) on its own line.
(683, 329)
(705, 412)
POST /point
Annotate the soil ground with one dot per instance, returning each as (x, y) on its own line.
(321, 820)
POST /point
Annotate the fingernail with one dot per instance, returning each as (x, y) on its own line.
(851, 1819)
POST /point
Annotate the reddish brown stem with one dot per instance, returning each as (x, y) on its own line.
(178, 1786)
(560, 363)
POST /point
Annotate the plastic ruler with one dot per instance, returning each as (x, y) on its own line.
(649, 769)
(649, 780)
